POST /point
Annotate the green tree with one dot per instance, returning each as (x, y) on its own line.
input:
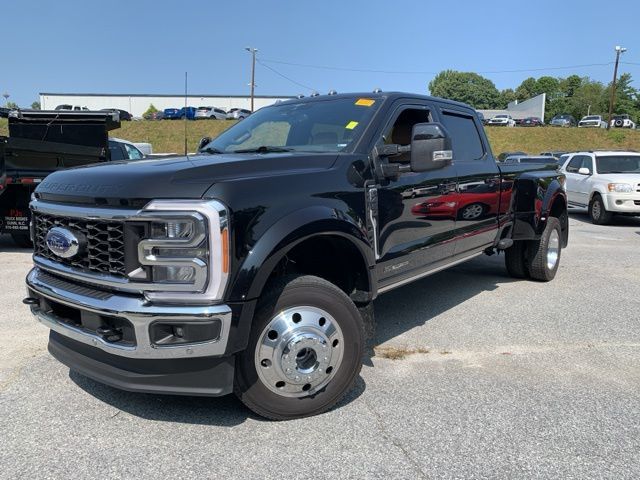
(506, 97)
(35, 105)
(526, 89)
(150, 111)
(467, 87)
(12, 105)
(626, 97)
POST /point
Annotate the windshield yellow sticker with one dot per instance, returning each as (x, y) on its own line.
(365, 102)
(351, 125)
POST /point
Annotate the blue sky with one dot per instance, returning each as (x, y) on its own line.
(144, 46)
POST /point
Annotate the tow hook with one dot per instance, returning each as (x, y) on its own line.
(110, 334)
(30, 301)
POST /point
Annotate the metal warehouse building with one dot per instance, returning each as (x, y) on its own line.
(138, 103)
(533, 107)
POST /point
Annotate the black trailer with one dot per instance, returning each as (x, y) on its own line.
(39, 143)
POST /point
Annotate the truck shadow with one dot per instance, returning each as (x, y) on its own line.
(8, 245)
(413, 305)
(225, 411)
(396, 312)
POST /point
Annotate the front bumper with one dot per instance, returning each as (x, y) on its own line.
(77, 302)
(622, 203)
(137, 363)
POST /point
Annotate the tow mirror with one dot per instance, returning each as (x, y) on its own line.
(203, 142)
(584, 171)
(430, 147)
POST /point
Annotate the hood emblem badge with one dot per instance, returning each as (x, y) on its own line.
(62, 242)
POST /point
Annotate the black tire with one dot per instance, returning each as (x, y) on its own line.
(515, 258)
(598, 214)
(22, 240)
(541, 266)
(287, 293)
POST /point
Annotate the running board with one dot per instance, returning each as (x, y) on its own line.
(427, 273)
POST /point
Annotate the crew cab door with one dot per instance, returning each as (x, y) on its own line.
(481, 195)
(416, 211)
(578, 184)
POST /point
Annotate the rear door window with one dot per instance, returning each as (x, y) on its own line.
(465, 138)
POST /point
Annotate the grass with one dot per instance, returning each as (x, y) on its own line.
(168, 136)
(398, 353)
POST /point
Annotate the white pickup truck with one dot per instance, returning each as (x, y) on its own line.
(605, 182)
(592, 121)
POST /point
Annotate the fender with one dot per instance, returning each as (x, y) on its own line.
(288, 232)
(534, 199)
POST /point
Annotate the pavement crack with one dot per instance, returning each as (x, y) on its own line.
(390, 438)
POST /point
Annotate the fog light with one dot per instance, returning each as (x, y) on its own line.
(619, 202)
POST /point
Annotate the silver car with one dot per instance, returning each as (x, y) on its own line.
(211, 113)
(238, 114)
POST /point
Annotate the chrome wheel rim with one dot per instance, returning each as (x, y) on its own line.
(472, 211)
(299, 351)
(553, 250)
(596, 209)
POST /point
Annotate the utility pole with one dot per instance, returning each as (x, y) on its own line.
(253, 52)
(619, 50)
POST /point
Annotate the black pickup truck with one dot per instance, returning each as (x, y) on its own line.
(251, 266)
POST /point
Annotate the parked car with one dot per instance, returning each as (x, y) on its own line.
(124, 115)
(4, 112)
(605, 182)
(66, 106)
(532, 122)
(563, 120)
(504, 155)
(179, 113)
(238, 114)
(210, 113)
(251, 267)
(124, 150)
(622, 121)
(592, 121)
(540, 160)
(553, 153)
(502, 121)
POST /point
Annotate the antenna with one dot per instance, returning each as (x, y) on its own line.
(185, 112)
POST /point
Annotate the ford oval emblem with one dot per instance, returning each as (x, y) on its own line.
(62, 242)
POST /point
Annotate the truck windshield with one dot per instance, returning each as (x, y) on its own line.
(331, 125)
(618, 164)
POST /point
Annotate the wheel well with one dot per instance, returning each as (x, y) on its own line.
(333, 258)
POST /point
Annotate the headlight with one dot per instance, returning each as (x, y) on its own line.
(620, 187)
(186, 250)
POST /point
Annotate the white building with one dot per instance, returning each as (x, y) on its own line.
(533, 107)
(137, 104)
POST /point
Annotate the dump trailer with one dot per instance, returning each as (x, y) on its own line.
(39, 143)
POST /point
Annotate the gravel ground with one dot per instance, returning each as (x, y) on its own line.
(475, 376)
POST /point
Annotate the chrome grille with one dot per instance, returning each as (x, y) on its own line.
(104, 252)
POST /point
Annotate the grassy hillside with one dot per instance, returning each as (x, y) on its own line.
(168, 136)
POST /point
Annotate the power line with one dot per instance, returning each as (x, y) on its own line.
(284, 76)
(425, 72)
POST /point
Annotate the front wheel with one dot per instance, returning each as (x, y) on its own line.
(598, 213)
(305, 350)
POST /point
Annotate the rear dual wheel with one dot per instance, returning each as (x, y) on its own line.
(537, 259)
(305, 350)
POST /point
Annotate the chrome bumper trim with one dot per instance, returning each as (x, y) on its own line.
(137, 311)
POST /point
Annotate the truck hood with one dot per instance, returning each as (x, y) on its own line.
(174, 177)
(631, 178)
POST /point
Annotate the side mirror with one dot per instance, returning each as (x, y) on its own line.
(584, 171)
(203, 142)
(430, 147)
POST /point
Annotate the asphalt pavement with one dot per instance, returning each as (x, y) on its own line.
(475, 376)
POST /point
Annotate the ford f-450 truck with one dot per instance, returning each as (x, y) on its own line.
(251, 266)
